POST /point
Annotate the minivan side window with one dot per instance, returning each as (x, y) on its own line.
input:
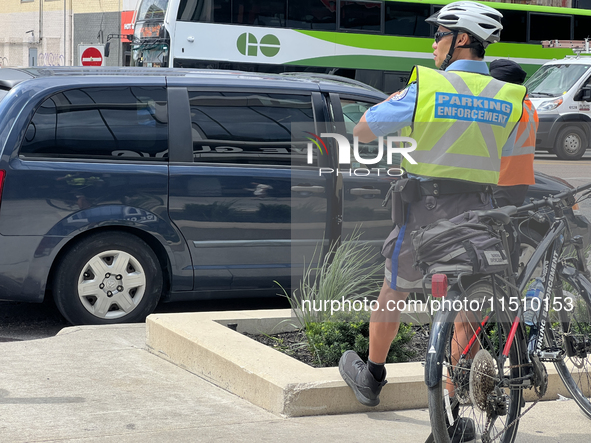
(123, 122)
(253, 128)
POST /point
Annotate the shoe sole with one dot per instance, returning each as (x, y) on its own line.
(360, 397)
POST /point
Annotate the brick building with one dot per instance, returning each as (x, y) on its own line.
(49, 32)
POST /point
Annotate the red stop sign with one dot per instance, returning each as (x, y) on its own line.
(92, 57)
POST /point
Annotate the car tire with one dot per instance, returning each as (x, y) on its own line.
(571, 143)
(107, 278)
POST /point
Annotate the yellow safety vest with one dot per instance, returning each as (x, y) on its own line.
(461, 122)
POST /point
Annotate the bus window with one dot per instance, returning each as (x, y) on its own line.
(364, 16)
(312, 14)
(514, 26)
(549, 27)
(582, 27)
(270, 13)
(152, 10)
(407, 19)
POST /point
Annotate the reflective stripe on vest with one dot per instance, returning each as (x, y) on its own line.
(525, 141)
(461, 122)
(517, 161)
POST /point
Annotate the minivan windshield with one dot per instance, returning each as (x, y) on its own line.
(554, 80)
(3, 93)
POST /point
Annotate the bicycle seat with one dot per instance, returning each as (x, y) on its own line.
(502, 215)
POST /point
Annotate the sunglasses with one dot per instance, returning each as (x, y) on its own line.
(439, 35)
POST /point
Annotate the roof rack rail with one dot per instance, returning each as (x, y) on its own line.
(578, 46)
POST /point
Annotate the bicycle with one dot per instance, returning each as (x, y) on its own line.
(482, 357)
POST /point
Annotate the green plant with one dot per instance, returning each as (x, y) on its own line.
(329, 340)
(347, 272)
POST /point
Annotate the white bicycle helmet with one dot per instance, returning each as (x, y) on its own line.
(480, 21)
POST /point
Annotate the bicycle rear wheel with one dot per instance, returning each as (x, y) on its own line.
(570, 330)
(476, 388)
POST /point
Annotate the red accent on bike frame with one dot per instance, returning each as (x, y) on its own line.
(511, 337)
(473, 339)
(439, 285)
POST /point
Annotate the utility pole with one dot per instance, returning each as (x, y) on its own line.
(40, 21)
(65, 33)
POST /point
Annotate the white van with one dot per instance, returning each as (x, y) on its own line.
(561, 92)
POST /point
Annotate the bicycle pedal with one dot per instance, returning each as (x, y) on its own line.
(549, 355)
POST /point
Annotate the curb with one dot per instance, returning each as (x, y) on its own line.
(202, 344)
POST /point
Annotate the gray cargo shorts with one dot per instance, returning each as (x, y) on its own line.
(398, 248)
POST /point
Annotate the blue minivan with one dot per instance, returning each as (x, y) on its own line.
(122, 187)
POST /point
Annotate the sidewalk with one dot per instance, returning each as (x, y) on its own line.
(99, 384)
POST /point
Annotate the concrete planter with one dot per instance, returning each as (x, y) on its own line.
(204, 345)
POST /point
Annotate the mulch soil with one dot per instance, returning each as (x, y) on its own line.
(295, 344)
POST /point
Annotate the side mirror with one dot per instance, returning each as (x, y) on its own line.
(584, 94)
(107, 49)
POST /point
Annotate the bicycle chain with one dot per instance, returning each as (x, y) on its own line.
(520, 415)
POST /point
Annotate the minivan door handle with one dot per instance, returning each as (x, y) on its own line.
(308, 188)
(365, 191)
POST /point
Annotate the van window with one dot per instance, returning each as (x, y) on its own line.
(248, 127)
(353, 110)
(122, 122)
(554, 80)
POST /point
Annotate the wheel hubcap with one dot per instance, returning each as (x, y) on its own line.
(111, 284)
(572, 143)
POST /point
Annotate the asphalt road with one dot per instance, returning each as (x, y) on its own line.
(26, 321)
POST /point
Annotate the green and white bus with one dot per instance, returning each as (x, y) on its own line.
(376, 42)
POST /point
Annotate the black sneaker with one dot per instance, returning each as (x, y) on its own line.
(463, 429)
(355, 373)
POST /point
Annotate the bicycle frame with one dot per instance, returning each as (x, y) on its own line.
(548, 250)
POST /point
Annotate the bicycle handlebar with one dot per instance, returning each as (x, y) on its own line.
(551, 200)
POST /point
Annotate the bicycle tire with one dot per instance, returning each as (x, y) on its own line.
(576, 325)
(498, 321)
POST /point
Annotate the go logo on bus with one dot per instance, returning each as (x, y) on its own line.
(248, 45)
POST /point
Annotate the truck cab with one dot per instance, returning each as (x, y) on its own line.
(561, 92)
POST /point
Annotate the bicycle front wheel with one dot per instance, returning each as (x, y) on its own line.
(570, 331)
(474, 400)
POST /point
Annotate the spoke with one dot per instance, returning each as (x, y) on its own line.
(89, 288)
(101, 306)
(124, 302)
(98, 266)
(120, 262)
(135, 280)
